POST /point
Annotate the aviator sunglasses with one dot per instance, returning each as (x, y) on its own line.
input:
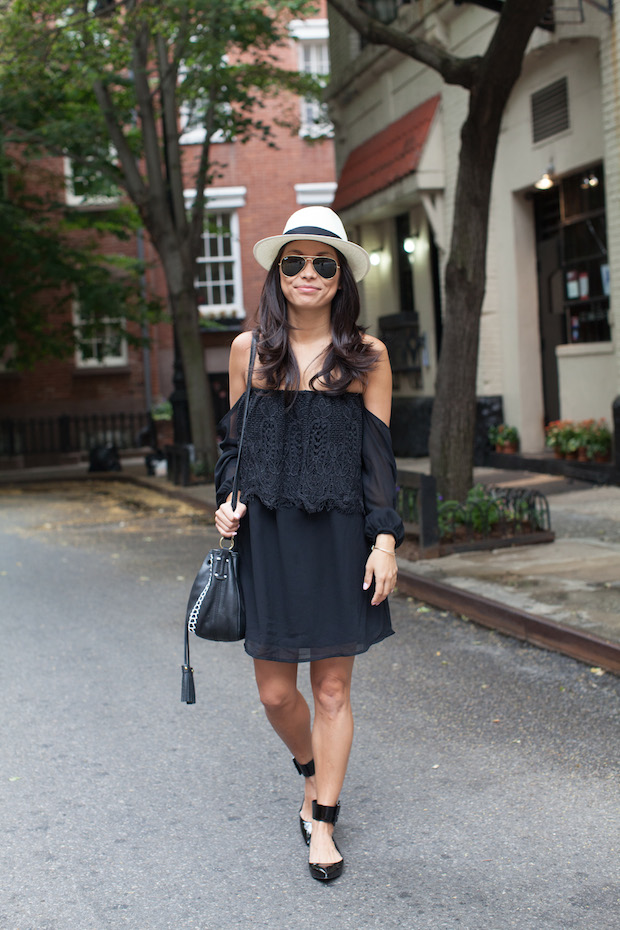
(293, 264)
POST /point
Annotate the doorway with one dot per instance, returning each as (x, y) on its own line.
(573, 281)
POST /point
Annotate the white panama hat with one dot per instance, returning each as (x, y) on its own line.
(318, 224)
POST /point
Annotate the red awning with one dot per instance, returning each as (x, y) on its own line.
(385, 158)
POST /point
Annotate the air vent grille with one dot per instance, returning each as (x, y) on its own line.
(550, 110)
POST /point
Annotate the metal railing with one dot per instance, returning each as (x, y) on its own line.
(65, 434)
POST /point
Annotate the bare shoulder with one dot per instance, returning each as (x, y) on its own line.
(378, 389)
(241, 343)
(375, 344)
(238, 364)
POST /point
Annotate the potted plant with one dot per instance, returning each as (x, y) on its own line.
(553, 437)
(504, 438)
(599, 441)
(583, 432)
(161, 413)
(570, 439)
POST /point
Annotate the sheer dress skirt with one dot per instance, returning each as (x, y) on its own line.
(301, 577)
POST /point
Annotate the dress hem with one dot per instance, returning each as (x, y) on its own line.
(334, 652)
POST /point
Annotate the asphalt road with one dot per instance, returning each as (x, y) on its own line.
(482, 791)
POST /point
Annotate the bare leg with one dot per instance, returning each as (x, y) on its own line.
(332, 736)
(289, 715)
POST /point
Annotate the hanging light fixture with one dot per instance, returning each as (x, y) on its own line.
(546, 181)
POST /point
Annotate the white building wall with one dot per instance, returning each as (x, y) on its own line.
(610, 79)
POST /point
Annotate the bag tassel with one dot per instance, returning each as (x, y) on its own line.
(188, 691)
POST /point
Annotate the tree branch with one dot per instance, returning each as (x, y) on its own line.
(198, 207)
(150, 136)
(168, 84)
(454, 70)
(133, 180)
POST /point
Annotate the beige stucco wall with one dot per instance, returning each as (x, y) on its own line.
(610, 71)
(587, 374)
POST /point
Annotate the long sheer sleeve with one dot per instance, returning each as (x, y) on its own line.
(379, 480)
(227, 463)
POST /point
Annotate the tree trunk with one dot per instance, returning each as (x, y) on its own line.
(178, 269)
(199, 398)
(454, 409)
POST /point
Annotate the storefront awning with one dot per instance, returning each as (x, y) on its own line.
(387, 157)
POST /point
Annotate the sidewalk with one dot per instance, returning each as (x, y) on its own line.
(564, 595)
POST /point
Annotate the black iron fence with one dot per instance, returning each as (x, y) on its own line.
(65, 434)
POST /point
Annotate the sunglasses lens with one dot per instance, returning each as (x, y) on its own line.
(292, 265)
(326, 267)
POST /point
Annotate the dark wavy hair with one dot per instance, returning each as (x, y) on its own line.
(348, 358)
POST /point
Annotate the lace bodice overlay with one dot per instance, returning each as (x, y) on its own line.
(307, 455)
(323, 452)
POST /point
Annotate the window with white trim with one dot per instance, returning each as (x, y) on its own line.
(102, 344)
(101, 191)
(312, 36)
(218, 282)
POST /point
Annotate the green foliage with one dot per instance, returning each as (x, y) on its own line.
(502, 434)
(162, 411)
(481, 511)
(43, 271)
(97, 89)
(217, 60)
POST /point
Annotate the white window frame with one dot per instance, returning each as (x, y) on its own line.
(312, 34)
(108, 361)
(223, 200)
(75, 200)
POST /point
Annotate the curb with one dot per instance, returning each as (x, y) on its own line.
(586, 647)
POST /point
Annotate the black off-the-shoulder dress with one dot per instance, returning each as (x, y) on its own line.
(319, 478)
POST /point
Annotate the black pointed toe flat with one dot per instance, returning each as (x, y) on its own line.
(326, 873)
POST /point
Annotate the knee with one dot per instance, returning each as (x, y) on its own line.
(275, 696)
(331, 696)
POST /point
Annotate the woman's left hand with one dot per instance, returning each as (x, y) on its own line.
(382, 567)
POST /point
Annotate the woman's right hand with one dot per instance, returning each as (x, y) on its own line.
(227, 520)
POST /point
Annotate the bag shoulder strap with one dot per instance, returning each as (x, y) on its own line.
(235, 490)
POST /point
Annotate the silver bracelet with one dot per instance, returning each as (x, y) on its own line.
(389, 551)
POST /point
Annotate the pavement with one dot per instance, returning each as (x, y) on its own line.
(564, 595)
(482, 791)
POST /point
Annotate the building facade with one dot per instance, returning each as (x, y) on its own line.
(256, 187)
(548, 345)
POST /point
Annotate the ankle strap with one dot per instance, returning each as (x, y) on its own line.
(307, 770)
(325, 814)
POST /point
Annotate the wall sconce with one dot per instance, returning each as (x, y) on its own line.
(375, 257)
(409, 244)
(546, 182)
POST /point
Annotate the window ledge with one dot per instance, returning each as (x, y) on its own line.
(101, 370)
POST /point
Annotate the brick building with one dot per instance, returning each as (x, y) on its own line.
(256, 188)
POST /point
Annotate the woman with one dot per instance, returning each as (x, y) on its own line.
(317, 529)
